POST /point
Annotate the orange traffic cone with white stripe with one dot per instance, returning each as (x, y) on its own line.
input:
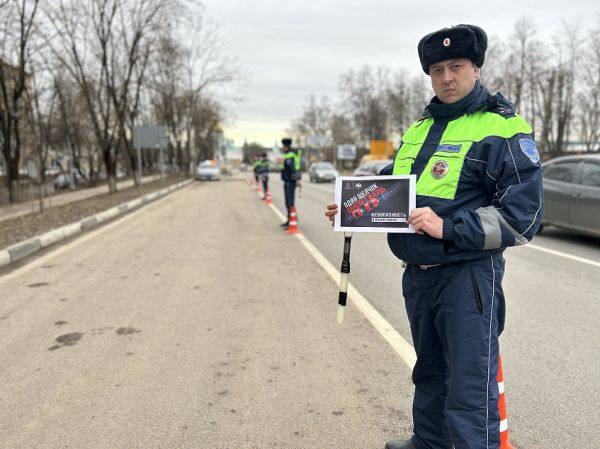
(293, 226)
(504, 443)
(268, 197)
(258, 189)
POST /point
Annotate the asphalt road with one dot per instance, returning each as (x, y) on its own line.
(551, 341)
(194, 322)
(197, 323)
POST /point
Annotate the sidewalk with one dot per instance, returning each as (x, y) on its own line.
(17, 210)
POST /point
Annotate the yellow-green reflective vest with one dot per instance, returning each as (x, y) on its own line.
(457, 139)
(297, 155)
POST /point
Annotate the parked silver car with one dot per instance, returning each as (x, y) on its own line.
(572, 193)
(322, 172)
(371, 168)
(208, 170)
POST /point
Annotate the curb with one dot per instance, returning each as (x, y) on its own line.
(27, 247)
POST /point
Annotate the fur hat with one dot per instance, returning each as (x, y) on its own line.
(461, 41)
(286, 141)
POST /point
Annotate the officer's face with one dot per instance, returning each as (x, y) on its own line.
(453, 79)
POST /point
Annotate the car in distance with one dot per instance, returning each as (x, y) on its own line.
(207, 171)
(322, 172)
(371, 168)
(572, 193)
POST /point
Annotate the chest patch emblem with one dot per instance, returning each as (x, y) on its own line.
(439, 169)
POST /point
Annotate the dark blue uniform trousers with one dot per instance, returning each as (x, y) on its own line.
(456, 314)
(289, 188)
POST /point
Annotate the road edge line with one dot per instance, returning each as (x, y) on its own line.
(561, 254)
(398, 343)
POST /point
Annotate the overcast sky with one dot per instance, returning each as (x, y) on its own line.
(290, 49)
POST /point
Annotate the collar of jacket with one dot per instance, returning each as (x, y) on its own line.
(475, 100)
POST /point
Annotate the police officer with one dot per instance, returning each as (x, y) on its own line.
(255, 165)
(291, 175)
(479, 191)
(263, 170)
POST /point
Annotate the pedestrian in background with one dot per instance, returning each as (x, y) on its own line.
(291, 175)
(479, 191)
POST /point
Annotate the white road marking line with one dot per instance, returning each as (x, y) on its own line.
(561, 254)
(387, 331)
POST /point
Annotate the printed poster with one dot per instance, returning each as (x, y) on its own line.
(374, 203)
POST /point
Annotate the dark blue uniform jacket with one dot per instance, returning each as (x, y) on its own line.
(500, 180)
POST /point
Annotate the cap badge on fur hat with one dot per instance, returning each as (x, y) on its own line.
(446, 42)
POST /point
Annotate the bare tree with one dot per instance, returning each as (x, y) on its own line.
(41, 119)
(16, 29)
(342, 130)
(190, 63)
(74, 127)
(315, 121)
(206, 129)
(406, 100)
(554, 91)
(588, 117)
(137, 30)
(80, 41)
(364, 94)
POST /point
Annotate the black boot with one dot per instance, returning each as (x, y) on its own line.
(399, 444)
(285, 225)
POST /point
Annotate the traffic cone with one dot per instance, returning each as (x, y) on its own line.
(504, 443)
(293, 226)
(268, 197)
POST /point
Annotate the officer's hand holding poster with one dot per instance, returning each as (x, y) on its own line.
(374, 203)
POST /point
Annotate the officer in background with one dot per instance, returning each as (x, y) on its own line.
(264, 167)
(479, 191)
(256, 168)
(291, 175)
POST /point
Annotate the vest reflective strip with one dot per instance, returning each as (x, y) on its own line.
(297, 159)
(412, 141)
(287, 155)
(459, 136)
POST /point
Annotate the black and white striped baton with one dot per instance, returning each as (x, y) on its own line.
(344, 271)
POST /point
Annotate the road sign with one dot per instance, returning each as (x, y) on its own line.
(346, 152)
(150, 137)
(316, 140)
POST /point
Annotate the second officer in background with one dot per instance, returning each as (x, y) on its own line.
(263, 169)
(291, 175)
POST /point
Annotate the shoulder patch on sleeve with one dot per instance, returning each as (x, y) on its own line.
(528, 148)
